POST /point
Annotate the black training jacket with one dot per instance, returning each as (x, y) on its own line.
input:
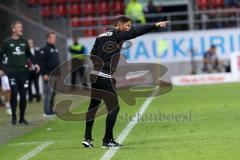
(106, 50)
(14, 55)
(50, 59)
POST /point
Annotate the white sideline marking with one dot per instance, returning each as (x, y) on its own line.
(36, 150)
(111, 151)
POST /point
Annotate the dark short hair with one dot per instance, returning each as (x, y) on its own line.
(121, 19)
(50, 33)
(14, 23)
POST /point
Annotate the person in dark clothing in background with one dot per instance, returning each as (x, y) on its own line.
(14, 55)
(105, 63)
(50, 60)
(152, 9)
(5, 92)
(77, 50)
(33, 76)
(211, 62)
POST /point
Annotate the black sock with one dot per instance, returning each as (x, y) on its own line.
(110, 122)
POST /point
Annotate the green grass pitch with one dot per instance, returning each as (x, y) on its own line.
(205, 126)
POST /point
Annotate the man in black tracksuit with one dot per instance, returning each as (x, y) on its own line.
(105, 56)
(14, 55)
(33, 76)
(50, 60)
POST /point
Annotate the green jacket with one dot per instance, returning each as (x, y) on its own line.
(77, 50)
(135, 11)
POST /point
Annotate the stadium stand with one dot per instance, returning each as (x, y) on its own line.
(91, 17)
(77, 10)
(202, 4)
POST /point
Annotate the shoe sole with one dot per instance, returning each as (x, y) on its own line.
(48, 116)
(110, 147)
(86, 145)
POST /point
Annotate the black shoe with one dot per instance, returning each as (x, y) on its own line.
(111, 143)
(14, 122)
(23, 122)
(30, 100)
(38, 97)
(87, 143)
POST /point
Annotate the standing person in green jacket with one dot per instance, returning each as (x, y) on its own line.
(14, 59)
(77, 50)
(134, 10)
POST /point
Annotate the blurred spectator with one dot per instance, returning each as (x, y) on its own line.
(152, 9)
(231, 3)
(204, 20)
(134, 9)
(5, 92)
(216, 19)
(14, 55)
(211, 63)
(219, 15)
(50, 62)
(33, 76)
(77, 50)
(232, 13)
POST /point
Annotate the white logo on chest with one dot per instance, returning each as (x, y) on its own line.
(17, 51)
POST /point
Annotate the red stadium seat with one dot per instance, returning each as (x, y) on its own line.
(89, 9)
(118, 7)
(202, 4)
(102, 30)
(74, 22)
(45, 2)
(89, 21)
(90, 33)
(217, 3)
(75, 9)
(104, 20)
(103, 7)
(61, 10)
(46, 11)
